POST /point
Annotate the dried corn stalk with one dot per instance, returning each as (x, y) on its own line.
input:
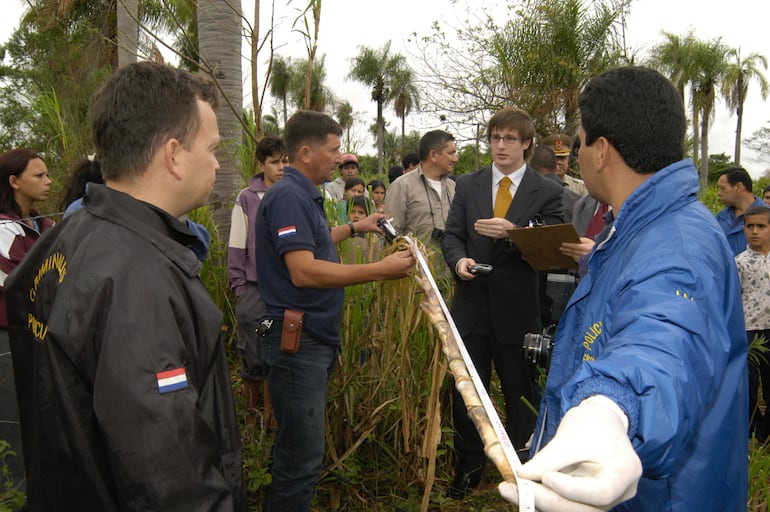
(497, 444)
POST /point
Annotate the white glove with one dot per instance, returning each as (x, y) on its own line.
(589, 465)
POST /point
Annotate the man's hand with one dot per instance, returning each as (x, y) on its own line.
(589, 465)
(369, 224)
(398, 264)
(577, 250)
(461, 268)
(495, 227)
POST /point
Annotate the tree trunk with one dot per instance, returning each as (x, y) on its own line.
(219, 38)
(128, 31)
(255, 99)
(704, 149)
(380, 137)
(739, 122)
(695, 134)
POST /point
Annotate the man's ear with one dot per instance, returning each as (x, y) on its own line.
(171, 150)
(304, 153)
(603, 150)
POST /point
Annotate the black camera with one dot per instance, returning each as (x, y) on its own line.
(538, 347)
(387, 229)
(437, 234)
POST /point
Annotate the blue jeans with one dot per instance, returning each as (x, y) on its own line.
(298, 385)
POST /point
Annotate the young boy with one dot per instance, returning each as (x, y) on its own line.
(754, 271)
(358, 245)
(242, 260)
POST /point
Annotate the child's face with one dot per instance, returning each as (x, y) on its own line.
(354, 191)
(757, 230)
(378, 195)
(356, 213)
(766, 198)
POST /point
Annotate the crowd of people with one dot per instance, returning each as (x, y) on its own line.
(117, 395)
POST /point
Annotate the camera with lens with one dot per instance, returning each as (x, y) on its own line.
(437, 234)
(387, 229)
(538, 347)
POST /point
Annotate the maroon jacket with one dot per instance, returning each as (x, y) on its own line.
(16, 239)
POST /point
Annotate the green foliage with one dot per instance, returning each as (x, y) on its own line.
(11, 498)
(471, 158)
(536, 57)
(759, 476)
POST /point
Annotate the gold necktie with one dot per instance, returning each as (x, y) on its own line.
(503, 199)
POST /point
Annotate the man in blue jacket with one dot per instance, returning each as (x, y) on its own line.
(645, 406)
(734, 187)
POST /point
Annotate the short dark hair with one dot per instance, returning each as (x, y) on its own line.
(434, 140)
(376, 184)
(514, 119)
(394, 172)
(13, 163)
(359, 201)
(639, 112)
(409, 160)
(139, 108)
(352, 182)
(308, 127)
(270, 146)
(758, 209)
(735, 175)
(766, 190)
(543, 159)
(82, 172)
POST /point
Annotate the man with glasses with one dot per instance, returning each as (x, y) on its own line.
(493, 312)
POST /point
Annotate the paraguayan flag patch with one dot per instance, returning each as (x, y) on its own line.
(287, 231)
(171, 380)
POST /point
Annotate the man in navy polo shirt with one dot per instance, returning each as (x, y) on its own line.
(298, 269)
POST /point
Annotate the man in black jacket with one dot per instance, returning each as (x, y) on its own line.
(493, 312)
(122, 379)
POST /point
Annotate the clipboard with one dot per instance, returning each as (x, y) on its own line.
(539, 245)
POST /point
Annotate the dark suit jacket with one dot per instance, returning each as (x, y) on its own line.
(507, 300)
(582, 212)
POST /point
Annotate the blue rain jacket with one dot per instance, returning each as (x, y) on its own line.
(657, 326)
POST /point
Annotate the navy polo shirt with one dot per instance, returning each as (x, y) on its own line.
(290, 218)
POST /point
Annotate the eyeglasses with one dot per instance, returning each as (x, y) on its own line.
(508, 139)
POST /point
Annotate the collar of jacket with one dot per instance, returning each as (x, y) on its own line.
(169, 235)
(667, 190)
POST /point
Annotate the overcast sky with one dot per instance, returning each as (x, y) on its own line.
(346, 24)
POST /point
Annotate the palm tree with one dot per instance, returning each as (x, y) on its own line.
(404, 95)
(280, 78)
(319, 96)
(128, 31)
(345, 118)
(219, 40)
(735, 87)
(673, 58)
(543, 59)
(709, 71)
(376, 68)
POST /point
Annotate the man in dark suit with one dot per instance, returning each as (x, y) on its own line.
(493, 312)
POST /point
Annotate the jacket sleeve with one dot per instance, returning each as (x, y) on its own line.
(667, 349)
(552, 211)
(236, 248)
(454, 243)
(12, 247)
(164, 443)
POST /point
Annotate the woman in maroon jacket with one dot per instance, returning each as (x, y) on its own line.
(23, 181)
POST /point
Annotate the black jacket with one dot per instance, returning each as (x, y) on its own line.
(101, 306)
(506, 300)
